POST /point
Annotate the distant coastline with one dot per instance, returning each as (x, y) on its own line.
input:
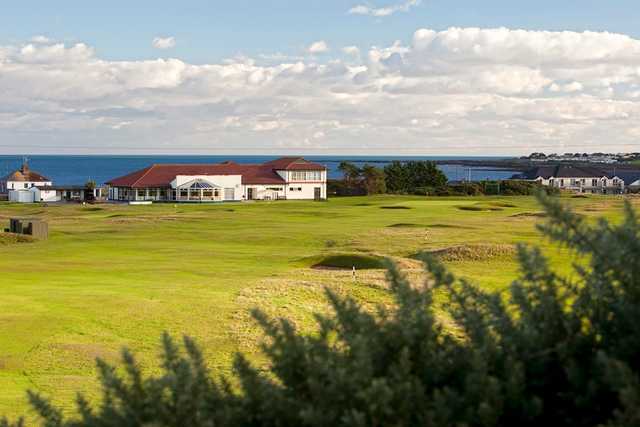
(77, 169)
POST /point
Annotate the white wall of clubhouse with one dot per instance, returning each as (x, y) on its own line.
(306, 191)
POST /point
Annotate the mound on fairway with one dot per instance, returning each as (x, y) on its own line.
(477, 208)
(10, 239)
(479, 252)
(348, 261)
(529, 215)
(405, 225)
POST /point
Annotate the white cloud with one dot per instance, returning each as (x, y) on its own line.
(461, 90)
(318, 47)
(41, 39)
(164, 42)
(383, 11)
(351, 50)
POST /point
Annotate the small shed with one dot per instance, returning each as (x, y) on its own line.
(36, 228)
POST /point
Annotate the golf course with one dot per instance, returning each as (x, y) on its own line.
(113, 276)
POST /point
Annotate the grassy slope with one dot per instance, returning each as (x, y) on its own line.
(119, 275)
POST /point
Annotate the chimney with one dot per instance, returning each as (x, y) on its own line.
(25, 168)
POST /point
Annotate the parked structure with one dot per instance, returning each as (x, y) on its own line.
(285, 178)
(576, 178)
(36, 228)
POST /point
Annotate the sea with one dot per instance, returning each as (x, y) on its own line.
(78, 169)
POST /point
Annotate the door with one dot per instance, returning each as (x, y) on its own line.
(249, 193)
(229, 194)
(317, 193)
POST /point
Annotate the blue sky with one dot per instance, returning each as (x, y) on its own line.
(212, 30)
(424, 77)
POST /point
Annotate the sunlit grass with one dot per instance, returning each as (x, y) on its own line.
(114, 275)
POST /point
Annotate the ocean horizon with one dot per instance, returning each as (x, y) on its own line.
(76, 169)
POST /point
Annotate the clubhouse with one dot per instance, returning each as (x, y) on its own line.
(290, 178)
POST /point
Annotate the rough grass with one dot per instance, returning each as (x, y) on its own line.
(477, 252)
(529, 215)
(11, 239)
(121, 275)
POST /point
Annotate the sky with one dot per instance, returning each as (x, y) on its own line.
(383, 77)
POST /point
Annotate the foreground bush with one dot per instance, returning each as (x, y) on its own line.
(553, 351)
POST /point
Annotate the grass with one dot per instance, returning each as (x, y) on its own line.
(114, 276)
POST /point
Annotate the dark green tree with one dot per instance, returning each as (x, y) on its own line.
(397, 178)
(425, 174)
(553, 350)
(373, 179)
(408, 177)
(352, 174)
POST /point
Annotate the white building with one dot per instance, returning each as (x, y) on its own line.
(292, 178)
(577, 178)
(18, 185)
(67, 193)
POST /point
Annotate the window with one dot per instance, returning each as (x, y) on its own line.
(141, 193)
(562, 183)
(26, 185)
(306, 176)
(594, 182)
(295, 189)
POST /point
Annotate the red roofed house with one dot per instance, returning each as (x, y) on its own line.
(286, 178)
(17, 185)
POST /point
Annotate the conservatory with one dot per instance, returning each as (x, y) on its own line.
(199, 190)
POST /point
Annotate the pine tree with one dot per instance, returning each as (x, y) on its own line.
(553, 350)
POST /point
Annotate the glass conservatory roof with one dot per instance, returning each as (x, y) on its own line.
(199, 184)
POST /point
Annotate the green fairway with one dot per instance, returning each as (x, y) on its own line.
(115, 275)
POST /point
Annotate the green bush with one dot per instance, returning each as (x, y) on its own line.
(408, 177)
(552, 351)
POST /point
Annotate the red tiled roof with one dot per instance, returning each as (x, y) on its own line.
(25, 175)
(162, 175)
(294, 163)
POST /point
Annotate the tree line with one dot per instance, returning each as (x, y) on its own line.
(556, 348)
(396, 177)
(420, 178)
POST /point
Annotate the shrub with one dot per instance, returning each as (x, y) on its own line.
(553, 350)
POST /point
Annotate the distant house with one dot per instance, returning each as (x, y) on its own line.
(17, 185)
(576, 178)
(631, 180)
(292, 178)
(22, 179)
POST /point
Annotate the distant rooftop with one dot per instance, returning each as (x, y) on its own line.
(24, 174)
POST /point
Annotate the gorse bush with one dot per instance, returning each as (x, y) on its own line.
(553, 350)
